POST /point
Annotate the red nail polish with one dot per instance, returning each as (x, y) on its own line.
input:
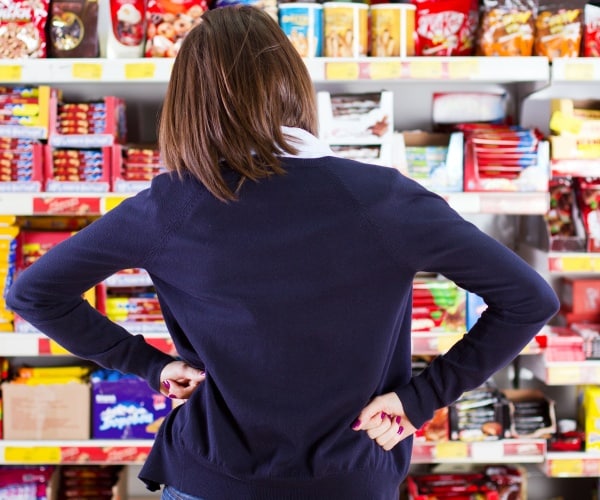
(356, 424)
(400, 430)
(398, 419)
(172, 396)
(166, 384)
(383, 415)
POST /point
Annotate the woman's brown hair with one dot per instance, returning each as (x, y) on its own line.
(236, 81)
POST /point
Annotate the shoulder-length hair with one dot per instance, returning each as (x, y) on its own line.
(235, 82)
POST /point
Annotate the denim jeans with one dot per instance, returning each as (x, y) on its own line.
(170, 493)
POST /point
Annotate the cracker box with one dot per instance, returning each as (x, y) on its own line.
(532, 414)
(46, 411)
(126, 408)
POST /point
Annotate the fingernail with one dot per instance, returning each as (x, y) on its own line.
(172, 396)
(400, 430)
(166, 384)
(398, 419)
(383, 415)
(356, 424)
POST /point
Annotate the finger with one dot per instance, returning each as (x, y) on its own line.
(382, 429)
(392, 436)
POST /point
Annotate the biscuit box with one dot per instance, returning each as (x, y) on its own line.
(126, 408)
(46, 411)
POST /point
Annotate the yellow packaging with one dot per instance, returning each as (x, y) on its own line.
(346, 29)
(393, 30)
(591, 409)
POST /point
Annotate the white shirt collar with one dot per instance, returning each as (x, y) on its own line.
(308, 145)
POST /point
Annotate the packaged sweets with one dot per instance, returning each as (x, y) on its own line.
(22, 28)
(559, 28)
(591, 32)
(346, 29)
(73, 28)
(303, 25)
(126, 21)
(168, 22)
(392, 30)
(507, 28)
(445, 27)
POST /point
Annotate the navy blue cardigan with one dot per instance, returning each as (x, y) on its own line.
(296, 299)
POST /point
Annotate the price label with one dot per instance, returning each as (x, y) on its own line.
(566, 467)
(87, 71)
(580, 263)
(342, 71)
(564, 375)
(111, 202)
(579, 71)
(33, 455)
(385, 70)
(462, 69)
(140, 71)
(451, 449)
(425, 70)
(11, 73)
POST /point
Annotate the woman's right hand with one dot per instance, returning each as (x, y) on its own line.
(385, 421)
(178, 380)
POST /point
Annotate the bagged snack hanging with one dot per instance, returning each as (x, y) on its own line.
(507, 28)
(168, 22)
(559, 28)
(445, 27)
(22, 28)
(73, 28)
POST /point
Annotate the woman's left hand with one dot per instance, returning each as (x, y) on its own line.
(178, 380)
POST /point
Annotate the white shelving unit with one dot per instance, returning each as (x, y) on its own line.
(142, 83)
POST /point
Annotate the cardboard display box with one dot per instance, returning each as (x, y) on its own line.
(46, 412)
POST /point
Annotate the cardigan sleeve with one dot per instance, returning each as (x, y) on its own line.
(424, 232)
(48, 294)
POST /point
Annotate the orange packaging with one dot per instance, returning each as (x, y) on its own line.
(393, 30)
(559, 28)
(346, 29)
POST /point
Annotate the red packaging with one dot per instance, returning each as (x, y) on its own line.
(22, 28)
(168, 22)
(445, 27)
(588, 201)
(591, 33)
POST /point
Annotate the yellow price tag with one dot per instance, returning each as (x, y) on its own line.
(581, 263)
(87, 71)
(385, 70)
(579, 71)
(111, 202)
(463, 68)
(446, 341)
(566, 467)
(564, 375)
(33, 455)
(341, 71)
(451, 449)
(141, 70)
(425, 69)
(11, 73)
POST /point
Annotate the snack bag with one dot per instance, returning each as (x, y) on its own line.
(445, 27)
(559, 28)
(22, 28)
(168, 21)
(507, 28)
(588, 201)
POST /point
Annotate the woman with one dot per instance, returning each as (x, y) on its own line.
(285, 277)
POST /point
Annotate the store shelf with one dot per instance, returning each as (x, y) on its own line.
(502, 451)
(572, 464)
(434, 343)
(157, 70)
(100, 203)
(561, 263)
(74, 452)
(136, 451)
(563, 372)
(37, 344)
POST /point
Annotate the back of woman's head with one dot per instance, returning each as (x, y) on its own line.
(236, 81)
